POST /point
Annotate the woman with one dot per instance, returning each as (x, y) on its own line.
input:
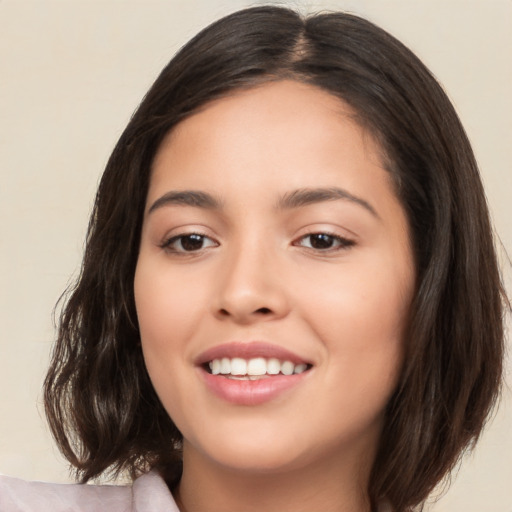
(289, 297)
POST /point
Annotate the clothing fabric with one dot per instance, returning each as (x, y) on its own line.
(148, 493)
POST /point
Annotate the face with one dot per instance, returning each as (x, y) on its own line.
(273, 282)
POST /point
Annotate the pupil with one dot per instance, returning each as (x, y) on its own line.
(192, 242)
(321, 241)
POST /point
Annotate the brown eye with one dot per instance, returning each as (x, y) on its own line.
(324, 242)
(321, 241)
(191, 242)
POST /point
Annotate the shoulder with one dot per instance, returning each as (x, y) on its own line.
(18, 495)
(148, 493)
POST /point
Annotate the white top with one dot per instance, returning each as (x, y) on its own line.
(148, 493)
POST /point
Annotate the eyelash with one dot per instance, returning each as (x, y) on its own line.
(342, 243)
(167, 245)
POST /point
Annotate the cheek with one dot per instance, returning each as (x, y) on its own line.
(168, 311)
(167, 307)
(167, 316)
(360, 314)
(361, 306)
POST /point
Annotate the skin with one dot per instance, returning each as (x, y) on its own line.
(257, 275)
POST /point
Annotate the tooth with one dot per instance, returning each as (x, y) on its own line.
(287, 368)
(215, 366)
(257, 366)
(225, 366)
(299, 368)
(238, 366)
(273, 366)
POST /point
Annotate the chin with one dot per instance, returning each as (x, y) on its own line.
(253, 451)
(265, 460)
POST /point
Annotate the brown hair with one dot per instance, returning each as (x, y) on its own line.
(100, 403)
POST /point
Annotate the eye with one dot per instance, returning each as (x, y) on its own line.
(190, 242)
(324, 242)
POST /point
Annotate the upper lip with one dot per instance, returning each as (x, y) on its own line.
(249, 350)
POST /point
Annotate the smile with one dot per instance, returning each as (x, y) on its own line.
(255, 368)
(251, 373)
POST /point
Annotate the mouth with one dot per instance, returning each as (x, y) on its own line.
(252, 373)
(255, 368)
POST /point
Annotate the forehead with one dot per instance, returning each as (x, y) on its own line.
(276, 124)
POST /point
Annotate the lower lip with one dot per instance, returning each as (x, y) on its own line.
(251, 392)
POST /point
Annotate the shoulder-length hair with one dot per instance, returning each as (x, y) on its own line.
(100, 403)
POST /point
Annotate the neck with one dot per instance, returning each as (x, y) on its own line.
(334, 487)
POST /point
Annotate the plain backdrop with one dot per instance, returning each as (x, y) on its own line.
(71, 74)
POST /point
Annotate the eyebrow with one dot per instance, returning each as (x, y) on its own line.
(295, 199)
(307, 196)
(194, 198)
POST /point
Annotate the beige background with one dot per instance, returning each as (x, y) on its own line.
(71, 74)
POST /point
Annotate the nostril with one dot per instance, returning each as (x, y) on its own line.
(223, 312)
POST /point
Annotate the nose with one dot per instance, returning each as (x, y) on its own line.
(251, 287)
